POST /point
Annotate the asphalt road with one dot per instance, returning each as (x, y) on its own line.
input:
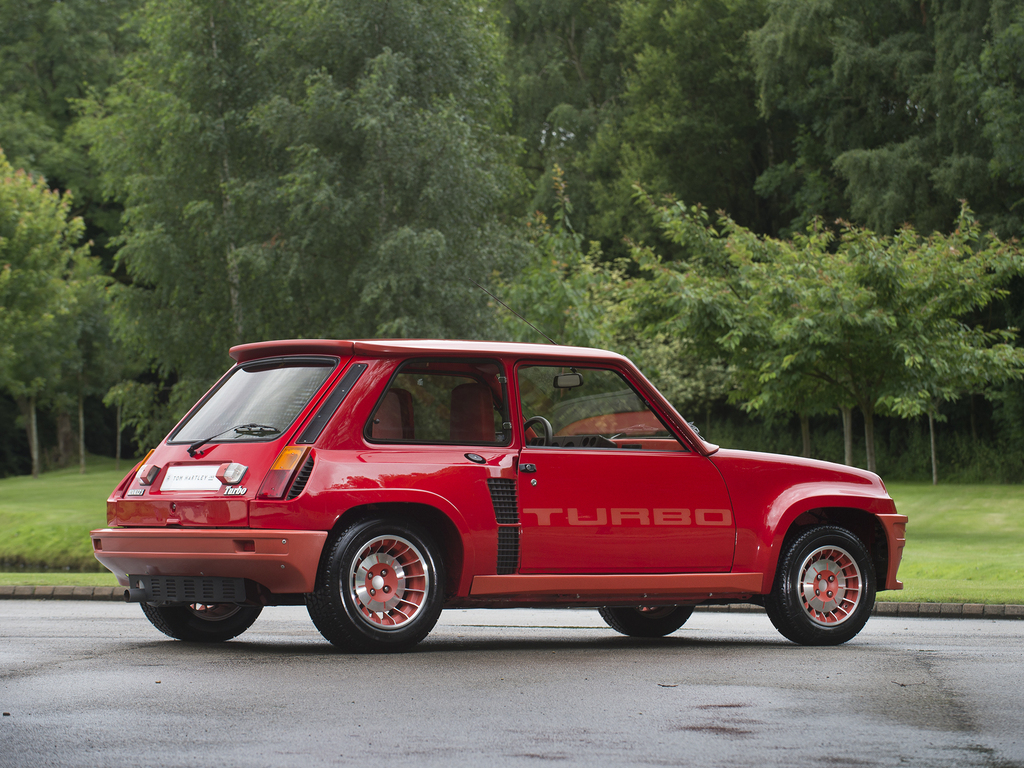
(93, 684)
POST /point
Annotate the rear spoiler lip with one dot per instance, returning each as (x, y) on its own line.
(243, 353)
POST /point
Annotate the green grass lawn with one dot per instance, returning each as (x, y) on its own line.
(45, 523)
(58, 579)
(965, 543)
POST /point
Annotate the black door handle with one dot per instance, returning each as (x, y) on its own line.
(527, 467)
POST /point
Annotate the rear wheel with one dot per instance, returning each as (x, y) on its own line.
(201, 623)
(824, 588)
(379, 588)
(644, 621)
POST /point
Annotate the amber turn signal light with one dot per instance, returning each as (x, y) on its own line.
(276, 483)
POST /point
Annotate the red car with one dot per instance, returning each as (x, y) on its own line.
(378, 482)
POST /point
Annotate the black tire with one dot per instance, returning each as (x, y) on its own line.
(199, 623)
(642, 621)
(379, 558)
(824, 588)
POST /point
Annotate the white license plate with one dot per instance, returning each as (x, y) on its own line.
(200, 478)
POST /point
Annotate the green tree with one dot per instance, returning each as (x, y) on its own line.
(91, 364)
(136, 405)
(560, 285)
(52, 54)
(332, 168)
(174, 142)
(569, 293)
(563, 67)
(823, 322)
(39, 252)
(945, 278)
(885, 106)
(688, 122)
(1002, 100)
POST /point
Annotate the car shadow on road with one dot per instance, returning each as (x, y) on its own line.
(440, 645)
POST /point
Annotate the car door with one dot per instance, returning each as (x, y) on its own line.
(611, 489)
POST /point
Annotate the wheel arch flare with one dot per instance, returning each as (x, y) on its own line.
(447, 533)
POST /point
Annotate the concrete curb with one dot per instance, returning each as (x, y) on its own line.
(61, 593)
(909, 610)
(903, 610)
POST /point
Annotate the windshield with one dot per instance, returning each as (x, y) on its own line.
(257, 402)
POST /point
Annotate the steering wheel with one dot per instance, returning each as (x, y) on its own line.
(549, 434)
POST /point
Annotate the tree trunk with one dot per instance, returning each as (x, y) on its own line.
(28, 411)
(805, 432)
(847, 435)
(931, 433)
(65, 439)
(81, 433)
(869, 436)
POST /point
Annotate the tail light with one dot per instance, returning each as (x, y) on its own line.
(282, 472)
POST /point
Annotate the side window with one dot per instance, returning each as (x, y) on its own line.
(436, 401)
(588, 408)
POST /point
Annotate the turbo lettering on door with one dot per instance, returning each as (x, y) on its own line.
(671, 516)
(641, 516)
(714, 517)
(544, 515)
(575, 518)
(629, 516)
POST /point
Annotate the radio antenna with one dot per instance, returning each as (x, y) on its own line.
(506, 306)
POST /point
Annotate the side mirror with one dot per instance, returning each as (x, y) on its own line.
(568, 380)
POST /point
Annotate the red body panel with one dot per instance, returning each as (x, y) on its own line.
(612, 512)
(648, 519)
(769, 492)
(439, 477)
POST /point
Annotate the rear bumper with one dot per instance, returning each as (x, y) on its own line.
(285, 562)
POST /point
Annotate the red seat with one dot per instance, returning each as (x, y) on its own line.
(393, 420)
(472, 414)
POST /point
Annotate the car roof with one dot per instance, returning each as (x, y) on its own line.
(450, 348)
(415, 347)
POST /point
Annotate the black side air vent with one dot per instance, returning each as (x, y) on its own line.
(508, 549)
(300, 480)
(503, 498)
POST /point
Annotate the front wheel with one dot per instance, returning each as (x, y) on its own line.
(643, 621)
(200, 623)
(824, 588)
(379, 588)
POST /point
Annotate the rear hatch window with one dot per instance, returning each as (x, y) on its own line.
(257, 402)
(238, 425)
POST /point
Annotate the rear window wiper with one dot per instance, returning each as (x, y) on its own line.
(255, 430)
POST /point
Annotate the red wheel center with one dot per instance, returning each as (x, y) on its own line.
(826, 585)
(381, 582)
